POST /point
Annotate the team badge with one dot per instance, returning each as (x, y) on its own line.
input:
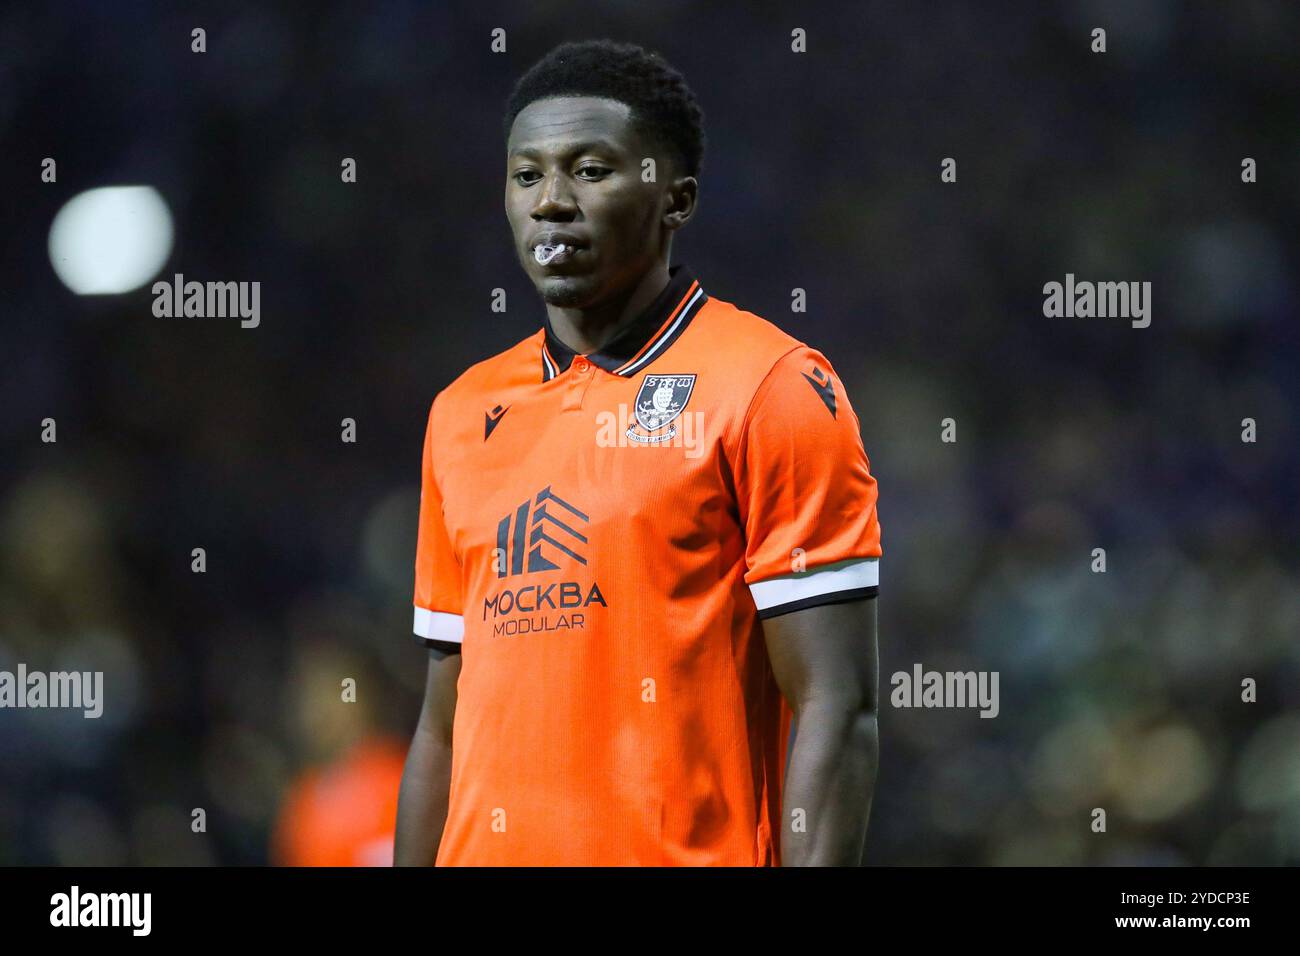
(658, 403)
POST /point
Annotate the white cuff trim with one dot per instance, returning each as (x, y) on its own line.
(850, 575)
(439, 625)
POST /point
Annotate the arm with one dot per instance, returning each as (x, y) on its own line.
(426, 780)
(825, 661)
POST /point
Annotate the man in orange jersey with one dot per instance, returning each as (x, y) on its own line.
(647, 535)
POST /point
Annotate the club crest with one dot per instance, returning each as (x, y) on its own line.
(659, 401)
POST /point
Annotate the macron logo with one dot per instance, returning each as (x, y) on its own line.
(821, 384)
(492, 419)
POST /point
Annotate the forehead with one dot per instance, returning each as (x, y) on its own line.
(554, 123)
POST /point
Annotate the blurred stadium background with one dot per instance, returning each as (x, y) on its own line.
(1119, 690)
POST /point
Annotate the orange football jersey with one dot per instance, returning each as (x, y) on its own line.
(602, 535)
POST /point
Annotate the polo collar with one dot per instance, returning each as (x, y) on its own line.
(644, 339)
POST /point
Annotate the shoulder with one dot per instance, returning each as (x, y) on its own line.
(752, 349)
(493, 379)
(748, 338)
(778, 387)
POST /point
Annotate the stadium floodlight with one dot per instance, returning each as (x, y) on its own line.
(110, 240)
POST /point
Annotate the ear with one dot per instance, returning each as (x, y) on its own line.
(682, 199)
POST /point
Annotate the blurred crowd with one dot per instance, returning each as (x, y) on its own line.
(225, 690)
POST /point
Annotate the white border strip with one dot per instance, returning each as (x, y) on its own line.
(829, 578)
(439, 625)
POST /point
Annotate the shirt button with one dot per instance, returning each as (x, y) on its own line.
(581, 364)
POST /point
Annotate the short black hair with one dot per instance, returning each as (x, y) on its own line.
(663, 106)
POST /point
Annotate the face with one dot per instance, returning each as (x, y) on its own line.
(574, 176)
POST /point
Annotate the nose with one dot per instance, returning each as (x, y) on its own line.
(553, 199)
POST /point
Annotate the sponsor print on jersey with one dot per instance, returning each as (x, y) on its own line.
(659, 401)
(551, 515)
(549, 520)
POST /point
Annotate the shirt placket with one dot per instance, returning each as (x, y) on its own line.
(581, 374)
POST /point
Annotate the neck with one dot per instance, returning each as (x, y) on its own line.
(588, 330)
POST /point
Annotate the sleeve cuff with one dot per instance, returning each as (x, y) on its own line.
(439, 626)
(851, 580)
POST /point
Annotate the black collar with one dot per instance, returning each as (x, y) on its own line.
(645, 338)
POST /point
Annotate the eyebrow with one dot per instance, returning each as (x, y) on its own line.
(582, 147)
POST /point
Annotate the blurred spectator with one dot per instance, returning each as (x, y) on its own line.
(343, 814)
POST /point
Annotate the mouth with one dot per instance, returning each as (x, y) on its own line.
(553, 251)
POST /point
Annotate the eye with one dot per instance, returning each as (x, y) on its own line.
(592, 172)
(520, 177)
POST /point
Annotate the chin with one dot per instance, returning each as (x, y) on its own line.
(566, 292)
